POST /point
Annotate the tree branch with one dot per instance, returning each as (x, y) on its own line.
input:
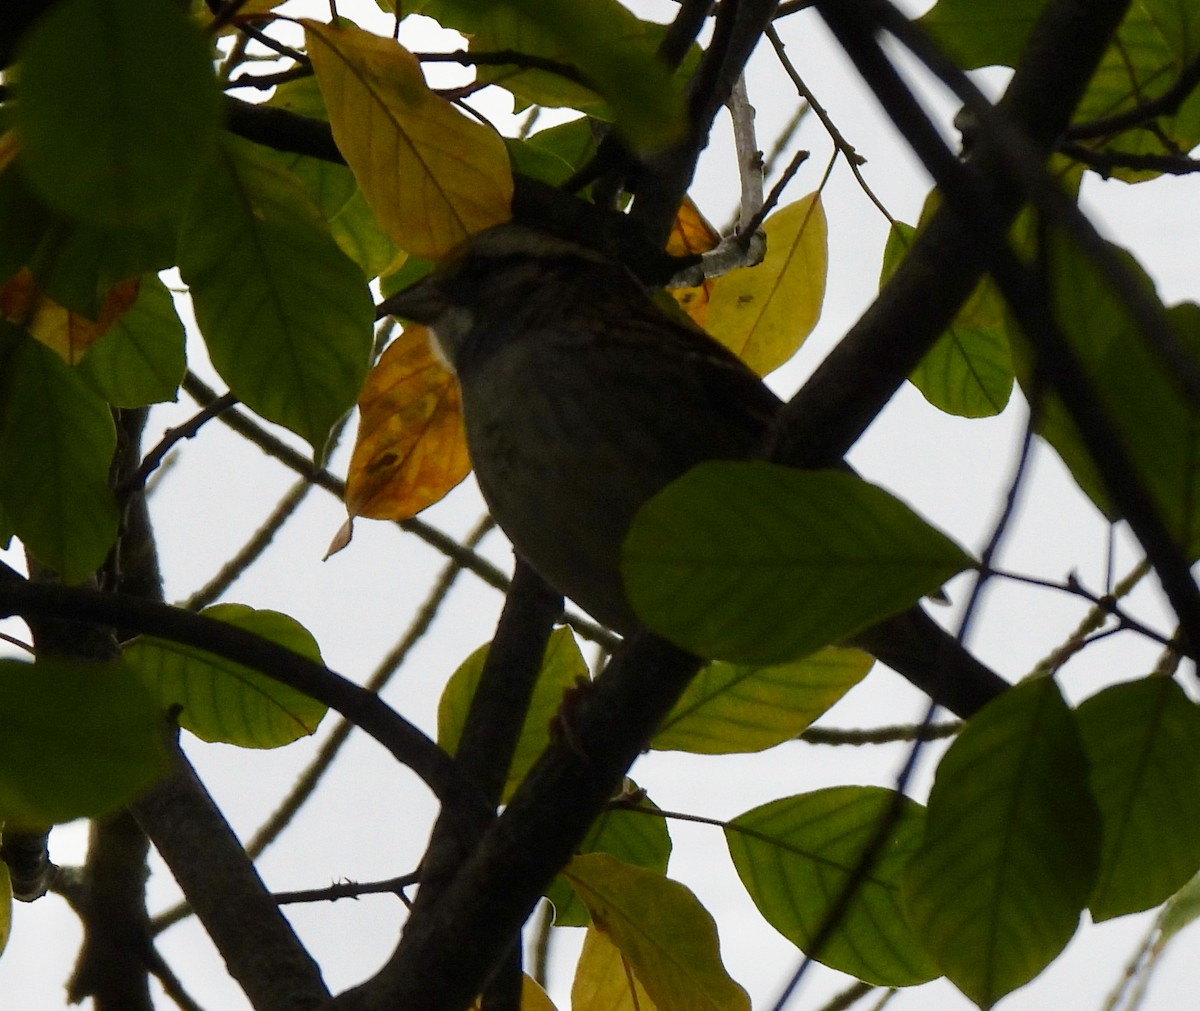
(443, 961)
(1164, 105)
(946, 260)
(1027, 298)
(366, 710)
(667, 176)
(258, 944)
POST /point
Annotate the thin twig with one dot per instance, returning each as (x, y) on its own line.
(844, 147)
(839, 141)
(323, 478)
(249, 552)
(749, 157)
(1164, 105)
(508, 58)
(171, 436)
(772, 200)
(855, 992)
(348, 890)
(1106, 161)
(1103, 608)
(784, 140)
(264, 82)
(881, 735)
(983, 573)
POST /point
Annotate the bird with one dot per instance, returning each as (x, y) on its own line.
(583, 397)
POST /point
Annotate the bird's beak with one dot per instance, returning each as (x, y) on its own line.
(421, 302)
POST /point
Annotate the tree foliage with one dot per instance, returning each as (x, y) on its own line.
(128, 149)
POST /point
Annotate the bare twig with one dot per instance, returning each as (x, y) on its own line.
(843, 146)
(171, 437)
(749, 157)
(880, 735)
(348, 890)
(1107, 160)
(252, 549)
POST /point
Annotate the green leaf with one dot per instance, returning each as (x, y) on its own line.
(612, 49)
(536, 163)
(1155, 42)
(969, 371)
(668, 940)
(23, 220)
(56, 442)
(286, 314)
(797, 854)
(334, 188)
(141, 359)
(633, 837)
(1142, 739)
(760, 564)
(573, 143)
(77, 739)
(220, 700)
(728, 708)
(563, 667)
(1011, 845)
(118, 108)
(1157, 423)
(982, 33)
(75, 264)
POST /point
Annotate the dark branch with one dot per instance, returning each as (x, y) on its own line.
(366, 710)
(1165, 105)
(443, 965)
(1106, 161)
(256, 941)
(946, 259)
(666, 177)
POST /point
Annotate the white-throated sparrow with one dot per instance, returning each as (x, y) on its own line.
(583, 399)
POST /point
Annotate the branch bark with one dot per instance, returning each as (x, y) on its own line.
(825, 418)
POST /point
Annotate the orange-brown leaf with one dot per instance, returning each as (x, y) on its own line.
(67, 333)
(8, 148)
(411, 449)
(430, 175)
(690, 234)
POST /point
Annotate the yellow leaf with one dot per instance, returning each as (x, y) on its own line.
(533, 997)
(663, 933)
(430, 175)
(69, 334)
(764, 313)
(411, 448)
(690, 234)
(604, 981)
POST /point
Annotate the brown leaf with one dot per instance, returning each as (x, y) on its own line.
(67, 333)
(411, 448)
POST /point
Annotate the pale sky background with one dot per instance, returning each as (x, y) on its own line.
(371, 818)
